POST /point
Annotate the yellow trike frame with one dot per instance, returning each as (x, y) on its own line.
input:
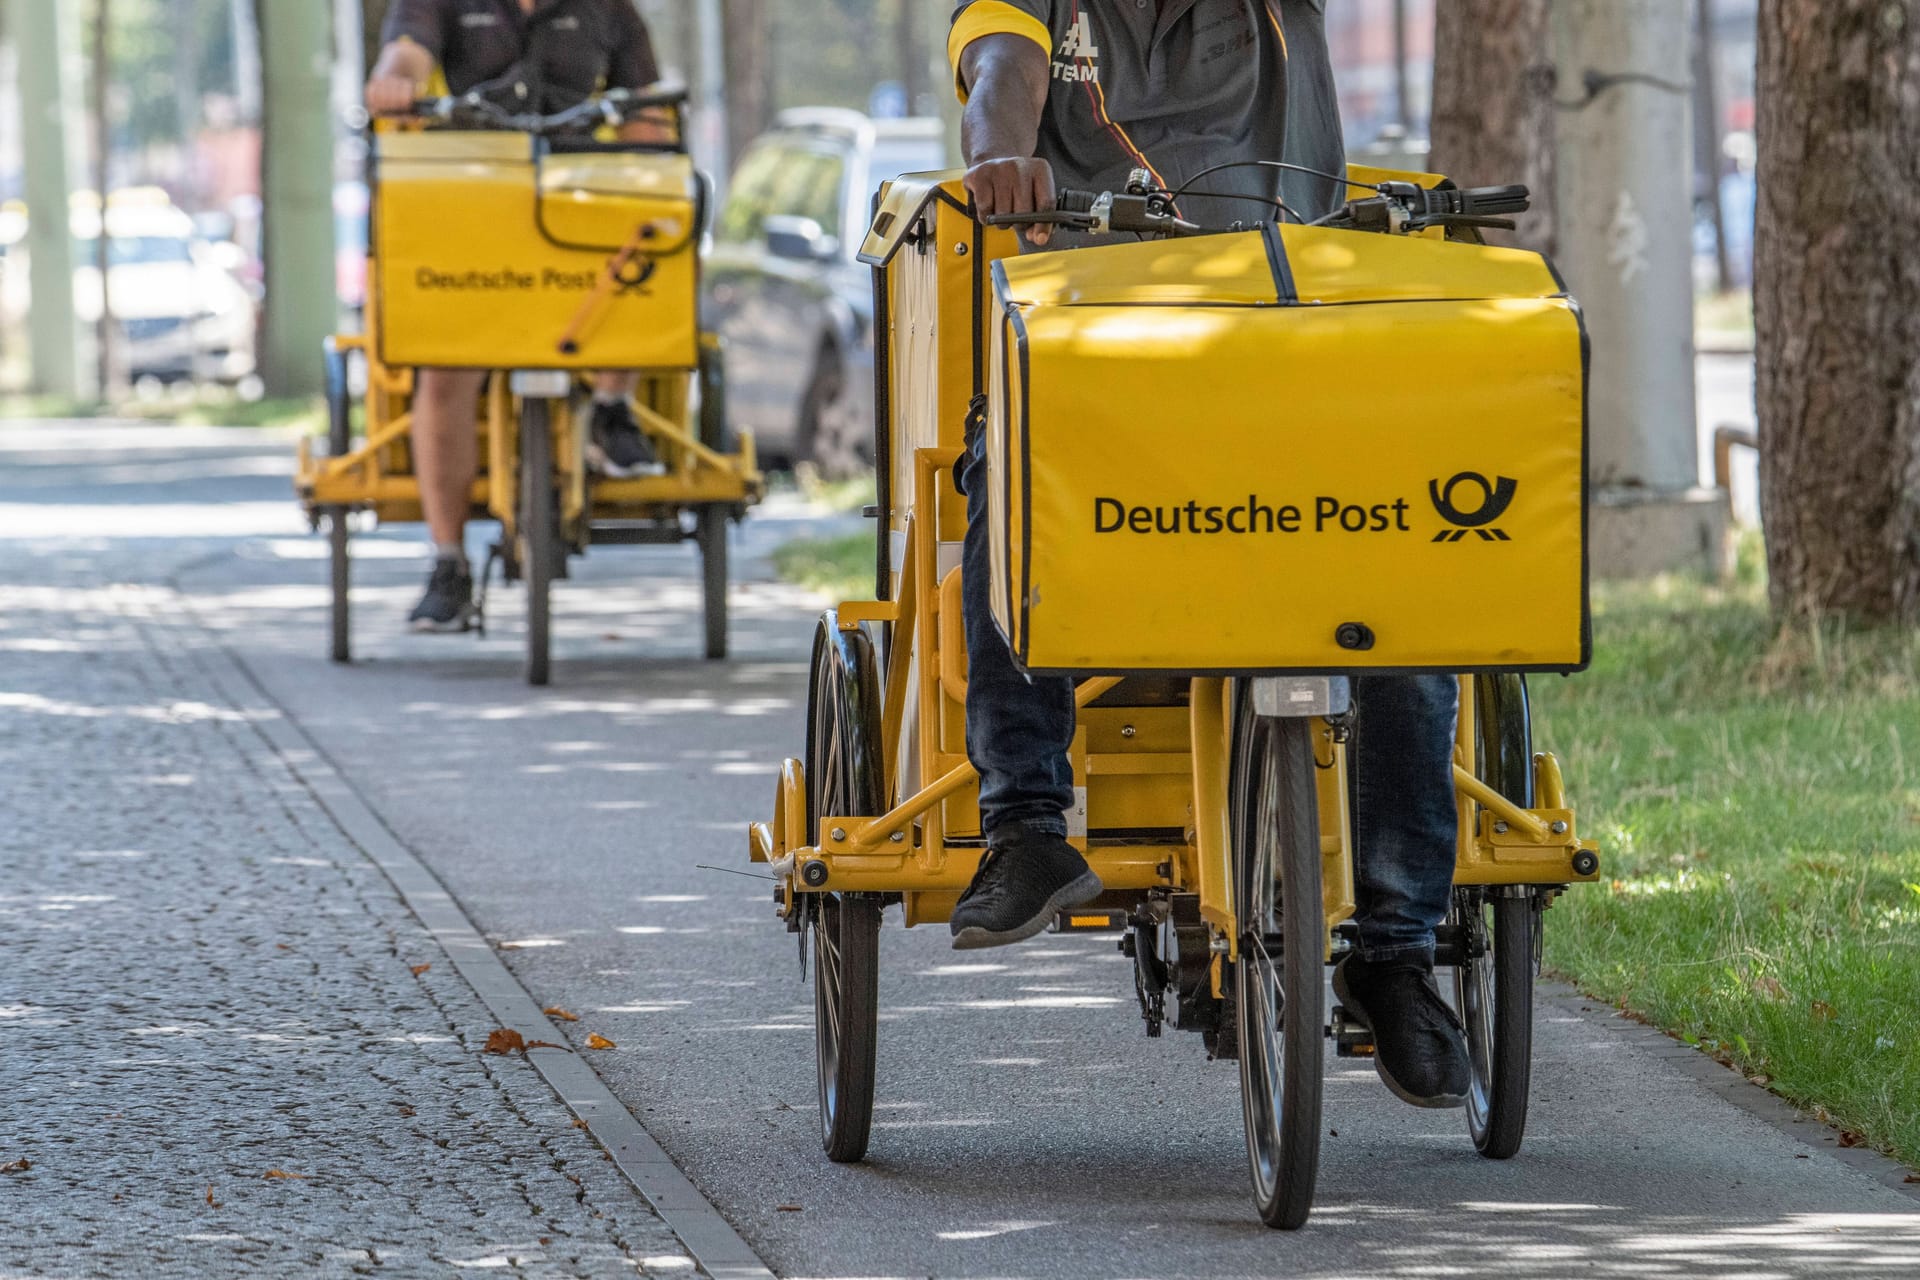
(1152, 774)
(372, 471)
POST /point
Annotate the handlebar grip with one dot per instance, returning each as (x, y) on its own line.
(1075, 201)
(1492, 201)
(640, 100)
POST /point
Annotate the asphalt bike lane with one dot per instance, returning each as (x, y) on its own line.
(1025, 1124)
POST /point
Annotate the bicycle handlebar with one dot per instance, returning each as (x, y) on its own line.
(1400, 208)
(612, 108)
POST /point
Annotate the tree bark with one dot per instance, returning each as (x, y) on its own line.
(749, 31)
(1837, 306)
(1493, 87)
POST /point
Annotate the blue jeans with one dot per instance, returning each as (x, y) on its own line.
(1400, 761)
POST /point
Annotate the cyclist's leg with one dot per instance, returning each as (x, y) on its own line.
(1018, 728)
(1403, 835)
(446, 448)
(446, 407)
(617, 446)
(1018, 732)
(1403, 811)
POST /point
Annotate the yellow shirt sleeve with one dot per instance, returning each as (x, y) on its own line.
(988, 18)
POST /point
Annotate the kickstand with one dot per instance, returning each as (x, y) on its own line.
(480, 597)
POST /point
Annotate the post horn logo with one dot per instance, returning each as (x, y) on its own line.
(632, 275)
(1495, 497)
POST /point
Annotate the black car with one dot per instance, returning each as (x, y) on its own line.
(784, 291)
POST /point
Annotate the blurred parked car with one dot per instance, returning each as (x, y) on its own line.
(182, 309)
(784, 291)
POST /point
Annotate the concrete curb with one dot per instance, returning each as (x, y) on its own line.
(1730, 1086)
(708, 1236)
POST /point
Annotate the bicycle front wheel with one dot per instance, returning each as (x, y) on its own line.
(1279, 1005)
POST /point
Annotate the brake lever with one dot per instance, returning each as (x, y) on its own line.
(1048, 218)
(1481, 221)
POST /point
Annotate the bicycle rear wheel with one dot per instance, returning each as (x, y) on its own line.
(539, 533)
(1493, 991)
(1279, 1005)
(339, 444)
(844, 778)
(710, 536)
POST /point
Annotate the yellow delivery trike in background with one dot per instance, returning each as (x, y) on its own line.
(1225, 472)
(521, 245)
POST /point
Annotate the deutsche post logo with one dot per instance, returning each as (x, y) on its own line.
(1495, 497)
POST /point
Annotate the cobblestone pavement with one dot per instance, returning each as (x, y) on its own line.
(228, 1048)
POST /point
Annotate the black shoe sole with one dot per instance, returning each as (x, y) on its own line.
(1072, 894)
(599, 463)
(1437, 1102)
(434, 627)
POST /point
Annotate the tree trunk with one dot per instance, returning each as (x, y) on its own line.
(1493, 87)
(1837, 305)
(749, 71)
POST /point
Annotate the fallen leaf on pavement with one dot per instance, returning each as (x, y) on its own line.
(557, 1012)
(1848, 1138)
(211, 1202)
(598, 1041)
(505, 1040)
(282, 1173)
(281, 946)
(542, 1044)
(406, 1110)
(16, 1166)
(790, 1208)
(579, 1124)
(420, 969)
(1912, 1177)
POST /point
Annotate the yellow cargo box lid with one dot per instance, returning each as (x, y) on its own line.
(1285, 266)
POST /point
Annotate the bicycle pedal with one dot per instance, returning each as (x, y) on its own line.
(1351, 1037)
(1088, 921)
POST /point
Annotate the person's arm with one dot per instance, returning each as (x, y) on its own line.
(1005, 78)
(399, 77)
(634, 66)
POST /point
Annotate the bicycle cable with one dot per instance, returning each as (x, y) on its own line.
(1281, 205)
(1273, 164)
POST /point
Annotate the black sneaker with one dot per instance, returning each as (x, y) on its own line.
(1019, 887)
(619, 447)
(448, 605)
(1418, 1046)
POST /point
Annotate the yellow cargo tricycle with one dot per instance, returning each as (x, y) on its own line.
(1225, 472)
(525, 246)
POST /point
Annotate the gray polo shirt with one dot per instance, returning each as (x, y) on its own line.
(1175, 87)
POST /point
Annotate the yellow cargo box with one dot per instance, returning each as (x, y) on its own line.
(491, 251)
(1288, 450)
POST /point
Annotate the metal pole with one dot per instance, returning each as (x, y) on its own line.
(1625, 246)
(246, 59)
(1402, 90)
(1707, 147)
(102, 183)
(912, 67)
(296, 180)
(45, 40)
(711, 130)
